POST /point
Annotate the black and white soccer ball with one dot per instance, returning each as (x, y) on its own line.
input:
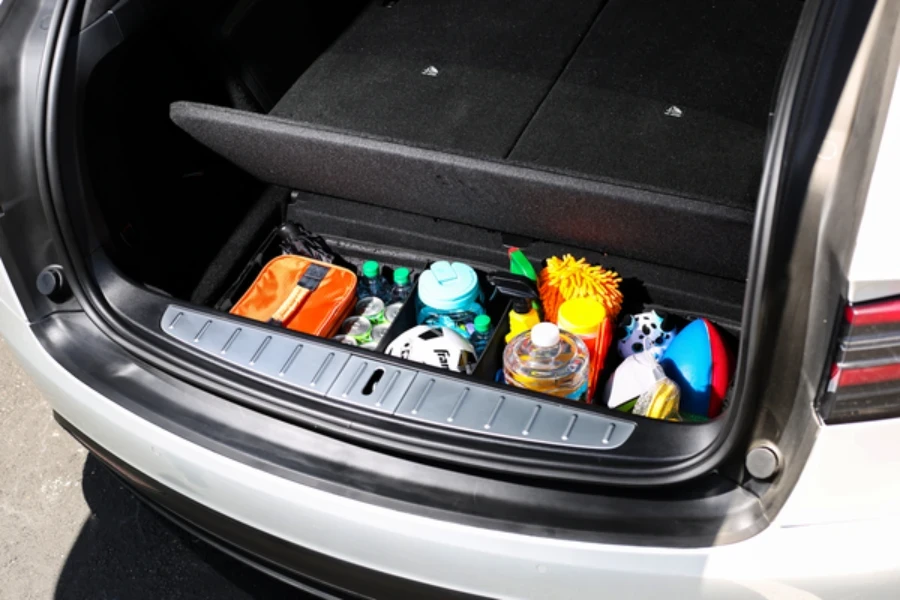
(645, 332)
(436, 346)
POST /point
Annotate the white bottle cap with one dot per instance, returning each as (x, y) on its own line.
(545, 335)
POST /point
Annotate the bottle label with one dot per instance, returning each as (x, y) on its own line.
(580, 394)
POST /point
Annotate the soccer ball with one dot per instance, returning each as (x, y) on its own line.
(645, 332)
(436, 346)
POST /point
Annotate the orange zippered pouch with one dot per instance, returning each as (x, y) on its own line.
(301, 294)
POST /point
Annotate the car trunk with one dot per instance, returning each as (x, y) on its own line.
(409, 131)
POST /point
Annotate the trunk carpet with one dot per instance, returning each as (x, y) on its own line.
(574, 86)
(457, 75)
(713, 65)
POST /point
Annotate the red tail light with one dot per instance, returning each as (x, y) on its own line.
(876, 313)
(865, 378)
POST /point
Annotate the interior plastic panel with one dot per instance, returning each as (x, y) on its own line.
(310, 367)
(407, 393)
(371, 383)
(473, 408)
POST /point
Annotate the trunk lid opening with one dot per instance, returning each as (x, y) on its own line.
(415, 132)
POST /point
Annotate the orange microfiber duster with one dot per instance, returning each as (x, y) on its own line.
(566, 278)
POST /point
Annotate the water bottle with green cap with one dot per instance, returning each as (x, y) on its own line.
(402, 287)
(372, 284)
(482, 334)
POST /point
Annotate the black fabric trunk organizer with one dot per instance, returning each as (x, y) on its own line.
(496, 307)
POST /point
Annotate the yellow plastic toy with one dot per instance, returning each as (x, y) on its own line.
(660, 402)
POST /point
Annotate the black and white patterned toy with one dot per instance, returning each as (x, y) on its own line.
(645, 332)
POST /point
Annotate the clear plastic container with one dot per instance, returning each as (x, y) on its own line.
(549, 361)
(449, 296)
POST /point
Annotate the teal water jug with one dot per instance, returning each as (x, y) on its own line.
(449, 296)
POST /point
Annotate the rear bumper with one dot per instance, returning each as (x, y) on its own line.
(256, 508)
(314, 573)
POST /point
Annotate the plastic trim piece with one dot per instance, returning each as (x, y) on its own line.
(319, 369)
(486, 411)
(306, 366)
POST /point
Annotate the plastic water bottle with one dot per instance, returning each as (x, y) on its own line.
(402, 287)
(548, 360)
(482, 334)
(372, 284)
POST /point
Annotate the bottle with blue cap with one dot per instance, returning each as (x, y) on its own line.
(449, 296)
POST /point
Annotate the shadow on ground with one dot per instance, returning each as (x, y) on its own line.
(125, 551)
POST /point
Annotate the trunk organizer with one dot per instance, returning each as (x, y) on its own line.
(496, 307)
(405, 390)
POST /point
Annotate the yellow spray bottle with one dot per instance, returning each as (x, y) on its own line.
(523, 293)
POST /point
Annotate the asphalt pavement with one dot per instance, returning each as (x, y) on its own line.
(68, 529)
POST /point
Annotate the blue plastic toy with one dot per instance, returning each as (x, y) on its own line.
(688, 361)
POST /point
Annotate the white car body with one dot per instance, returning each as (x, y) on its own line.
(835, 537)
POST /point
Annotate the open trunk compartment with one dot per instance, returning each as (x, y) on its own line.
(630, 133)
